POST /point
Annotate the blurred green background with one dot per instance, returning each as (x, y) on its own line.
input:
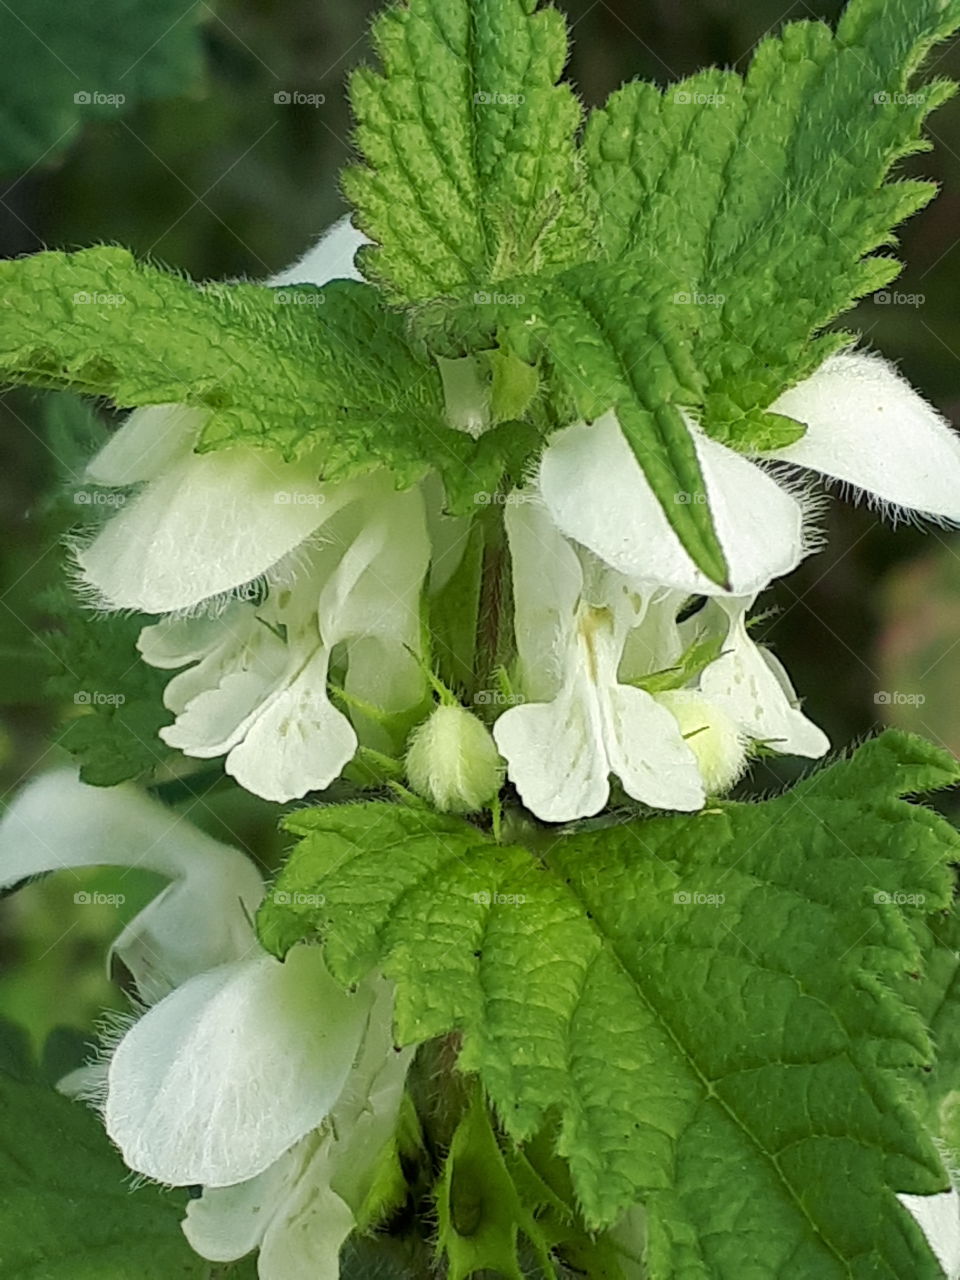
(202, 169)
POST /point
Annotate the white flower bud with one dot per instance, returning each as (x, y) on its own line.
(711, 735)
(453, 761)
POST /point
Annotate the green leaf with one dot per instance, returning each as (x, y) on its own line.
(471, 173)
(935, 993)
(704, 1003)
(73, 67)
(112, 701)
(765, 194)
(69, 1211)
(291, 369)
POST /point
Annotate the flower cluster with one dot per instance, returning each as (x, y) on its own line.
(293, 606)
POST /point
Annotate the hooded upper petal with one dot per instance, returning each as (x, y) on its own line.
(224, 1075)
(209, 524)
(868, 427)
(598, 495)
(301, 1210)
(201, 919)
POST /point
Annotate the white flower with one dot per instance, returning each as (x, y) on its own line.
(301, 1209)
(264, 1082)
(866, 427)
(588, 639)
(257, 689)
(572, 619)
(275, 571)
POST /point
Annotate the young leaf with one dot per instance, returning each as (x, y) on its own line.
(704, 1002)
(766, 194)
(471, 173)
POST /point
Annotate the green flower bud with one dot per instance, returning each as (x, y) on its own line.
(453, 761)
(711, 735)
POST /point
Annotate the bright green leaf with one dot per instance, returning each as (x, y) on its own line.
(471, 173)
(290, 369)
(704, 1002)
(765, 194)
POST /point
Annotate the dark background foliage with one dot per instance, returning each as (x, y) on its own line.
(204, 171)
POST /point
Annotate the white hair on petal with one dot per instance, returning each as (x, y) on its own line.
(802, 486)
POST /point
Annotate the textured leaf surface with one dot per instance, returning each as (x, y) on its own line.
(292, 369)
(471, 173)
(935, 992)
(703, 1002)
(134, 49)
(765, 193)
(113, 701)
